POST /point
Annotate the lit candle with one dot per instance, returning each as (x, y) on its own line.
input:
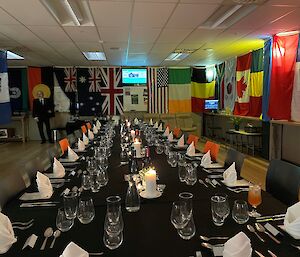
(150, 182)
(137, 147)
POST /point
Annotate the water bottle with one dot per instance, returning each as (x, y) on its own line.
(132, 202)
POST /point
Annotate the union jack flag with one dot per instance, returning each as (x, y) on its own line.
(70, 79)
(111, 90)
(94, 80)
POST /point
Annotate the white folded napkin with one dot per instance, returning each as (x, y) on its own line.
(7, 235)
(292, 220)
(81, 146)
(44, 187)
(230, 175)
(180, 142)
(95, 129)
(206, 159)
(73, 250)
(72, 156)
(156, 125)
(58, 169)
(170, 137)
(98, 124)
(136, 121)
(90, 135)
(151, 122)
(238, 246)
(191, 150)
(85, 139)
(167, 132)
(160, 127)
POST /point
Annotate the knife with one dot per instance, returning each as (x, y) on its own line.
(271, 216)
(270, 219)
(259, 254)
(272, 254)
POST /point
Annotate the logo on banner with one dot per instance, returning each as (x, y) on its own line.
(14, 92)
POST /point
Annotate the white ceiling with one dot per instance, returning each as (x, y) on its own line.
(143, 32)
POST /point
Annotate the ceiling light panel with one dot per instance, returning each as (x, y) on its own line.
(13, 56)
(94, 56)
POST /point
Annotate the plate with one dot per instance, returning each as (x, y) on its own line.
(238, 183)
(157, 194)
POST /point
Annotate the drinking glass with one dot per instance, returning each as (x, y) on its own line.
(188, 231)
(187, 198)
(91, 166)
(191, 174)
(86, 211)
(166, 148)
(112, 241)
(123, 155)
(113, 223)
(62, 223)
(95, 181)
(102, 177)
(240, 211)
(182, 170)
(180, 214)
(103, 162)
(172, 159)
(219, 209)
(70, 205)
(254, 199)
(159, 148)
(86, 181)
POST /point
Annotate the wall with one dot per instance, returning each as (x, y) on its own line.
(291, 144)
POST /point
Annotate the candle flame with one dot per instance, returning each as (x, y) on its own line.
(151, 171)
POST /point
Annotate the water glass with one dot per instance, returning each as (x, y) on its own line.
(113, 223)
(219, 209)
(188, 231)
(191, 174)
(180, 214)
(62, 223)
(103, 162)
(159, 148)
(240, 211)
(172, 159)
(95, 181)
(112, 241)
(166, 148)
(70, 205)
(187, 198)
(86, 182)
(86, 211)
(91, 166)
(102, 177)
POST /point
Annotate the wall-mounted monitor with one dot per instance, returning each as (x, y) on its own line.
(211, 104)
(134, 76)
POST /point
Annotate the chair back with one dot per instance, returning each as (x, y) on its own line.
(78, 133)
(71, 138)
(88, 125)
(234, 156)
(193, 138)
(176, 132)
(213, 148)
(83, 129)
(64, 143)
(283, 181)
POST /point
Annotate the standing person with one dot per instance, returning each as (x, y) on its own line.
(41, 112)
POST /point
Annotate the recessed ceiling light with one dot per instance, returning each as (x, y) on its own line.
(95, 56)
(14, 56)
(288, 33)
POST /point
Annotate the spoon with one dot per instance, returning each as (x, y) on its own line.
(48, 233)
(252, 229)
(205, 238)
(79, 173)
(210, 246)
(202, 182)
(261, 228)
(56, 235)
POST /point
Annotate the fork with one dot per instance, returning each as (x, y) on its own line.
(22, 223)
(205, 238)
(202, 182)
(238, 190)
(23, 228)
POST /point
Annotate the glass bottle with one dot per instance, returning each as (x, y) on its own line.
(132, 202)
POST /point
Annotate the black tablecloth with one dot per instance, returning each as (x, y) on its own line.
(148, 232)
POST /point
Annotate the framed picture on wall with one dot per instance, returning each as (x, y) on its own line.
(3, 133)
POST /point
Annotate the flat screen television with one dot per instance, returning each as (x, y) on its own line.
(211, 104)
(134, 76)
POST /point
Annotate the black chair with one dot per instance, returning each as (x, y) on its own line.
(283, 181)
(234, 156)
(72, 139)
(78, 133)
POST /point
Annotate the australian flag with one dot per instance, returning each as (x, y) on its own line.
(5, 108)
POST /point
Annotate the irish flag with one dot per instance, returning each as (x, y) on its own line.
(179, 90)
(296, 90)
(242, 104)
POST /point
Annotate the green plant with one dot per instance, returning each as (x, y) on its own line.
(236, 120)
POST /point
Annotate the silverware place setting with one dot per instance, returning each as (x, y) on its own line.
(211, 246)
(202, 182)
(252, 229)
(238, 189)
(23, 225)
(207, 180)
(38, 204)
(48, 233)
(205, 238)
(261, 229)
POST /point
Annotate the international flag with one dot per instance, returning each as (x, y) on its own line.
(267, 79)
(230, 84)
(282, 78)
(158, 90)
(112, 90)
(295, 109)
(256, 83)
(89, 96)
(18, 90)
(40, 79)
(201, 89)
(179, 90)
(220, 80)
(242, 104)
(5, 108)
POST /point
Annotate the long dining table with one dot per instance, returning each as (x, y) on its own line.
(149, 231)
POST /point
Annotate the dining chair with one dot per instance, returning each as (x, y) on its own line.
(177, 132)
(185, 122)
(78, 133)
(192, 138)
(283, 181)
(88, 125)
(83, 129)
(213, 148)
(234, 156)
(71, 138)
(64, 143)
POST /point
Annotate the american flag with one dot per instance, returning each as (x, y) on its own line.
(158, 97)
(94, 80)
(70, 79)
(111, 89)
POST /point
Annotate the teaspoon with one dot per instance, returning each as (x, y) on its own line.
(210, 246)
(260, 228)
(48, 233)
(252, 229)
(56, 235)
(205, 238)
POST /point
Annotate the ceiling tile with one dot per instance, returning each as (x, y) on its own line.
(18, 32)
(114, 34)
(6, 19)
(200, 36)
(143, 35)
(174, 36)
(50, 33)
(163, 48)
(89, 46)
(140, 48)
(83, 34)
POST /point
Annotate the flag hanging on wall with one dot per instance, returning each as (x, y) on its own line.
(5, 108)
(220, 74)
(284, 52)
(242, 104)
(230, 84)
(157, 90)
(201, 89)
(89, 91)
(267, 79)
(112, 90)
(256, 83)
(179, 90)
(18, 90)
(40, 79)
(295, 108)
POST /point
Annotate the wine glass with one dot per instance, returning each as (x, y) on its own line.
(219, 209)
(86, 211)
(254, 199)
(191, 174)
(172, 159)
(180, 214)
(240, 211)
(70, 205)
(62, 223)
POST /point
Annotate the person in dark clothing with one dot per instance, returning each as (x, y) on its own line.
(41, 112)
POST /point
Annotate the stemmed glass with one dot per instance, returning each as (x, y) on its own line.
(62, 223)
(172, 159)
(70, 205)
(180, 214)
(254, 199)
(191, 174)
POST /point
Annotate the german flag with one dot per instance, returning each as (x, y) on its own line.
(201, 89)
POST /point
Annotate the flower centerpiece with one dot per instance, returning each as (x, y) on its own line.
(236, 122)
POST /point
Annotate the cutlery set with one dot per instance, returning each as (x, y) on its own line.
(38, 204)
(22, 225)
(270, 218)
(238, 189)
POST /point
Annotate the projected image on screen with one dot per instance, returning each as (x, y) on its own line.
(211, 105)
(134, 76)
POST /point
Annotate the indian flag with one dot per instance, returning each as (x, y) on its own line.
(179, 90)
